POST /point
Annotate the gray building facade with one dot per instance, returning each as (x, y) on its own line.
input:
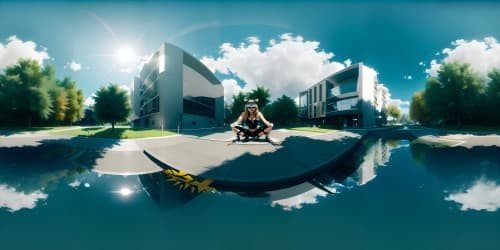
(352, 97)
(174, 90)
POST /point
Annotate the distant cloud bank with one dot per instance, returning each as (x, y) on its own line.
(285, 66)
(15, 48)
(483, 55)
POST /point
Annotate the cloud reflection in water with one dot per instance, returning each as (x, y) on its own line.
(483, 195)
(15, 200)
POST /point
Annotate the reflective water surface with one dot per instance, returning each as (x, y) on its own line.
(388, 195)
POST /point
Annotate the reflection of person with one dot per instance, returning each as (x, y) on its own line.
(251, 116)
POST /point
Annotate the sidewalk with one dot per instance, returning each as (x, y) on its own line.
(240, 166)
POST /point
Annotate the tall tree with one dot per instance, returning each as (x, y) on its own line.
(59, 104)
(73, 109)
(80, 101)
(461, 88)
(394, 112)
(23, 82)
(112, 104)
(283, 111)
(57, 95)
(262, 94)
(493, 98)
(238, 105)
(418, 111)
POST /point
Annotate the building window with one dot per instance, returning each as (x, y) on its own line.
(345, 87)
(320, 91)
(347, 104)
(310, 96)
(315, 92)
(348, 86)
(328, 89)
(201, 105)
(314, 115)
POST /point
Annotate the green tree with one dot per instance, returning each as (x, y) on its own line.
(435, 105)
(23, 85)
(57, 95)
(238, 105)
(283, 111)
(59, 104)
(112, 104)
(5, 104)
(492, 106)
(418, 111)
(262, 94)
(80, 99)
(74, 109)
(394, 112)
(461, 88)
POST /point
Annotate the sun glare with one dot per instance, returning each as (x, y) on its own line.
(125, 54)
(125, 191)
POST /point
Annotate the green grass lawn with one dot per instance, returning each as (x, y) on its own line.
(120, 132)
(312, 129)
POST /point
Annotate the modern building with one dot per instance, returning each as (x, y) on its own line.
(176, 91)
(352, 97)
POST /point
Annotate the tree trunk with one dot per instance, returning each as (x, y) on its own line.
(113, 125)
(29, 120)
(459, 120)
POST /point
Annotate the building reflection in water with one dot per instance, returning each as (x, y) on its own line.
(358, 170)
(376, 154)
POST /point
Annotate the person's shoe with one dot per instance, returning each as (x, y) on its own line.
(268, 139)
(237, 138)
(246, 139)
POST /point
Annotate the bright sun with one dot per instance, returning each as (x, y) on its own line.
(125, 54)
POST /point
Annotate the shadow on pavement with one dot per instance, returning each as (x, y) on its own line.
(49, 162)
(297, 159)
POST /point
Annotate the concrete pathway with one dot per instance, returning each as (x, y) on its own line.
(215, 157)
(204, 155)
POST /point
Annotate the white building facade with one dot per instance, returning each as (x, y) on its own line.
(352, 97)
(176, 91)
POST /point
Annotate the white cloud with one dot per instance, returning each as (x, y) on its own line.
(421, 63)
(297, 201)
(75, 184)
(286, 66)
(483, 195)
(404, 106)
(432, 71)
(126, 88)
(15, 200)
(89, 101)
(16, 48)
(73, 66)
(348, 62)
(483, 55)
(407, 77)
(231, 88)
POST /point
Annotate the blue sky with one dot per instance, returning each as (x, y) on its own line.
(392, 37)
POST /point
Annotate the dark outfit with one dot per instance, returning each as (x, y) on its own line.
(251, 125)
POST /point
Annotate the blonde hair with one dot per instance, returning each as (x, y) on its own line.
(246, 113)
